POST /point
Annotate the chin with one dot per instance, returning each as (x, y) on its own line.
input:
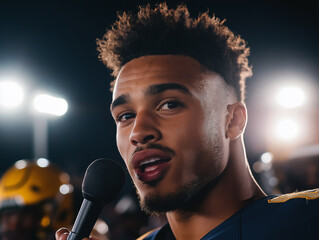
(158, 203)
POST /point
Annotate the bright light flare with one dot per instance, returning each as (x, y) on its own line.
(266, 157)
(66, 188)
(20, 164)
(11, 94)
(43, 162)
(291, 97)
(101, 227)
(52, 105)
(287, 129)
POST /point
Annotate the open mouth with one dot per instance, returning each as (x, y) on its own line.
(152, 164)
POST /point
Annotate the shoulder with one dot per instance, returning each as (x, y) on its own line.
(296, 214)
(287, 216)
(291, 204)
(298, 204)
(287, 209)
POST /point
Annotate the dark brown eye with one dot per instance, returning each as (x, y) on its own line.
(125, 116)
(170, 105)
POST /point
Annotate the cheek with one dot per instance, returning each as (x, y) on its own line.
(200, 145)
(123, 146)
(122, 142)
(191, 142)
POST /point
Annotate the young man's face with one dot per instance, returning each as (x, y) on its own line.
(170, 120)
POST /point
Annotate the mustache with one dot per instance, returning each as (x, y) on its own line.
(155, 146)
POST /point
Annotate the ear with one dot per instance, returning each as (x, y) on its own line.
(236, 120)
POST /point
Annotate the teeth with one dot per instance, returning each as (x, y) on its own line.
(151, 160)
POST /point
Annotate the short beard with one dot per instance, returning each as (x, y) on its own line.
(187, 197)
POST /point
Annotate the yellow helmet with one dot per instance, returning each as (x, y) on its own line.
(29, 183)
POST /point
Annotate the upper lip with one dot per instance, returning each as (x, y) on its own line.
(148, 155)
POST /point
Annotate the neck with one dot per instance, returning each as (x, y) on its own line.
(235, 188)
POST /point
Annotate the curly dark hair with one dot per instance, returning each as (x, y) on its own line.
(163, 31)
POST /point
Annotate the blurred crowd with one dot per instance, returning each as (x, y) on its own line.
(37, 198)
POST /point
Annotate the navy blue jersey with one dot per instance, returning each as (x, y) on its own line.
(290, 216)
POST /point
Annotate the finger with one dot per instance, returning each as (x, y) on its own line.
(62, 234)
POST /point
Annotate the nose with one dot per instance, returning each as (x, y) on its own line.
(145, 130)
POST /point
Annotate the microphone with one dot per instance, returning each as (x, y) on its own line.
(103, 181)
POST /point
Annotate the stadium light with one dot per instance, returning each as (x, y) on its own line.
(291, 97)
(287, 129)
(52, 105)
(11, 94)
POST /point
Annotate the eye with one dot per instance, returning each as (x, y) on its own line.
(170, 105)
(124, 117)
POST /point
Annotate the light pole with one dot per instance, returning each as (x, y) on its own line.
(47, 105)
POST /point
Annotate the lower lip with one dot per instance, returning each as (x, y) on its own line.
(155, 174)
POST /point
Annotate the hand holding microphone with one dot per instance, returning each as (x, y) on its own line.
(103, 181)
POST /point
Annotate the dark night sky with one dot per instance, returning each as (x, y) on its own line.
(52, 44)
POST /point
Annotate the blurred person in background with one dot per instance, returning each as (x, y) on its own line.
(35, 200)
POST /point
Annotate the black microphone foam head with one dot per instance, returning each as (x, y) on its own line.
(103, 181)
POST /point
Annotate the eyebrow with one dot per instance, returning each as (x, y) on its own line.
(122, 99)
(158, 88)
(150, 91)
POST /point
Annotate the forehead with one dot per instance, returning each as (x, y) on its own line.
(155, 69)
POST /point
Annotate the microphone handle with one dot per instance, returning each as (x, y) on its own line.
(85, 220)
